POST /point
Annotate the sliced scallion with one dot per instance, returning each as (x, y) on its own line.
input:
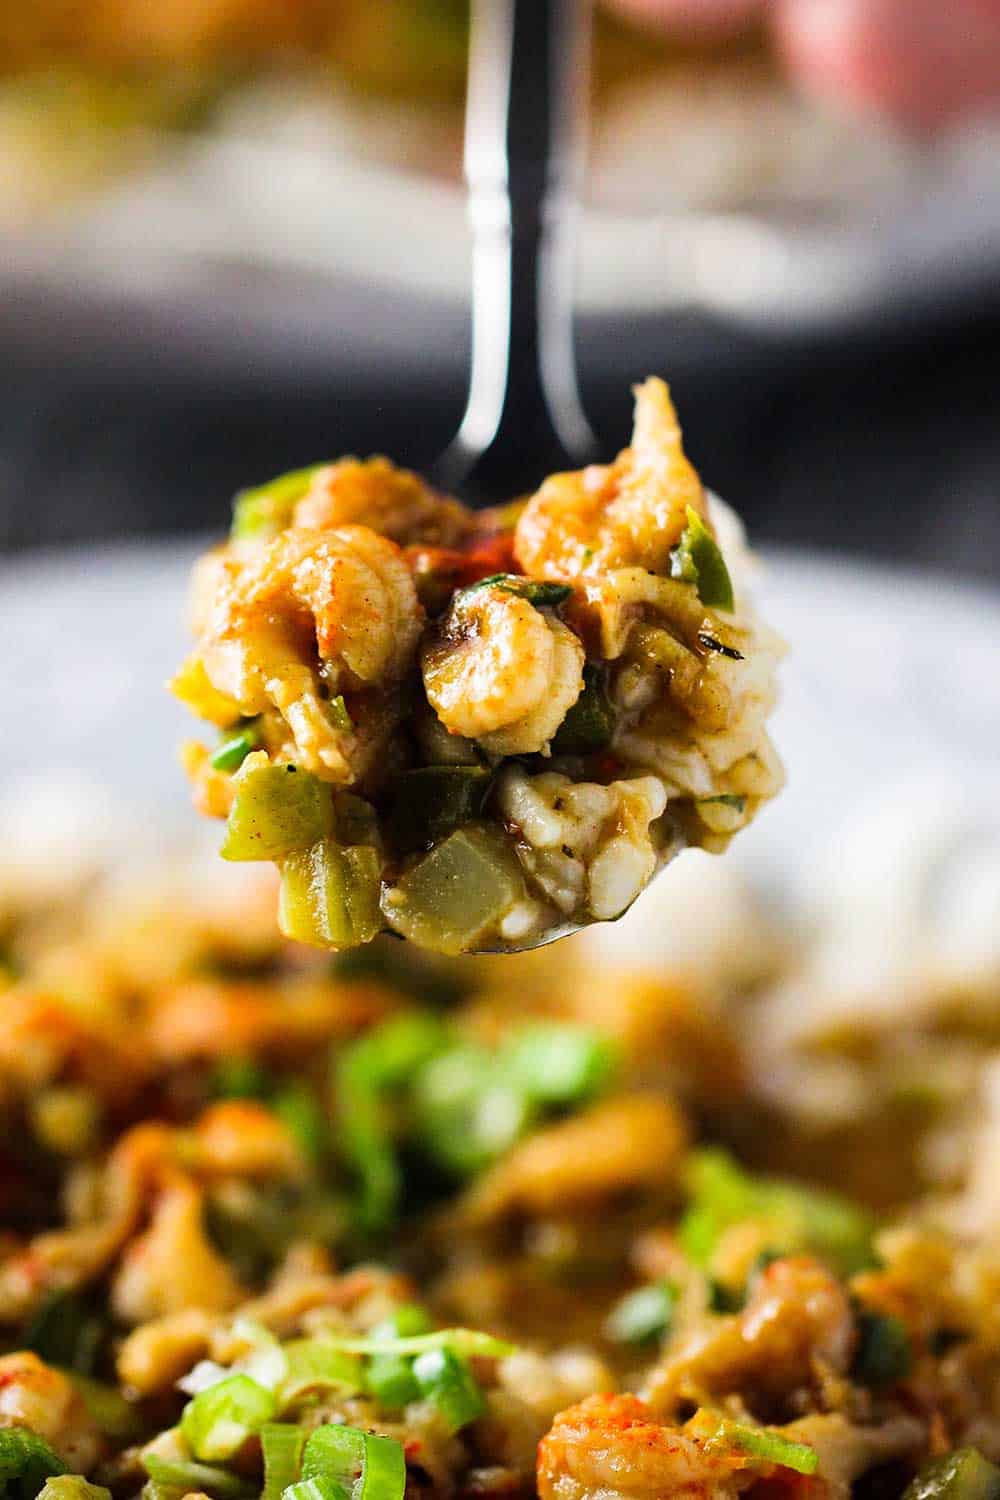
(281, 1444)
(233, 751)
(644, 1315)
(218, 1421)
(186, 1475)
(560, 1064)
(26, 1462)
(318, 1364)
(761, 1443)
(368, 1466)
(445, 1380)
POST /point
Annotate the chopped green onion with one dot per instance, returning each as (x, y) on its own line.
(798, 1218)
(318, 1364)
(298, 1109)
(467, 1113)
(26, 1462)
(427, 804)
(589, 724)
(277, 809)
(446, 1380)
(389, 1377)
(219, 1420)
(369, 1466)
(267, 1362)
(644, 1315)
(281, 1444)
(961, 1475)
(763, 1443)
(465, 1343)
(186, 1475)
(541, 594)
(231, 754)
(318, 1488)
(390, 1054)
(72, 1487)
(698, 559)
(883, 1354)
(260, 513)
(560, 1064)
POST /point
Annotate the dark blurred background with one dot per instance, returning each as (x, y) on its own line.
(134, 402)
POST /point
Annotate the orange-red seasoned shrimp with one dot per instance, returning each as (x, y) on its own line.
(797, 1321)
(626, 514)
(502, 672)
(613, 1448)
(395, 502)
(314, 614)
(33, 1394)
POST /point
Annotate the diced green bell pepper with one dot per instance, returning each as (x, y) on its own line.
(540, 593)
(277, 809)
(428, 804)
(330, 894)
(458, 892)
(260, 513)
(698, 559)
(589, 724)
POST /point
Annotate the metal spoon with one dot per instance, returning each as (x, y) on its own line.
(527, 93)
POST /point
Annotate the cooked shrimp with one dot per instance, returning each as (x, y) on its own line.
(635, 1141)
(629, 513)
(797, 1321)
(502, 672)
(316, 613)
(33, 1394)
(394, 502)
(173, 1265)
(612, 1446)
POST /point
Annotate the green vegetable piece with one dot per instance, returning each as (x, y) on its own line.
(762, 1443)
(329, 895)
(799, 1218)
(107, 1408)
(65, 1331)
(318, 1364)
(644, 1316)
(219, 1420)
(72, 1487)
(260, 513)
(458, 893)
(317, 1488)
(446, 1380)
(467, 1112)
(370, 1467)
(883, 1354)
(281, 1444)
(542, 595)
(339, 716)
(390, 1377)
(698, 559)
(240, 1078)
(427, 804)
(26, 1462)
(589, 724)
(464, 1343)
(185, 1475)
(277, 809)
(560, 1064)
(233, 752)
(961, 1475)
(300, 1112)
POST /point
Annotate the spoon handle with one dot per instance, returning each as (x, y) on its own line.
(528, 83)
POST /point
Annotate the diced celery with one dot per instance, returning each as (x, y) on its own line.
(261, 512)
(428, 804)
(329, 895)
(458, 892)
(192, 688)
(277, 809)
(962, 1475)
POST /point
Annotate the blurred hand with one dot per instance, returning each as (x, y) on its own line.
(925, 62)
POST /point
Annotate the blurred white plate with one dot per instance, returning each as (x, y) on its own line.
(891, 702)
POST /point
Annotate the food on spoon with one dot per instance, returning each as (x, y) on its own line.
(477, 730)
